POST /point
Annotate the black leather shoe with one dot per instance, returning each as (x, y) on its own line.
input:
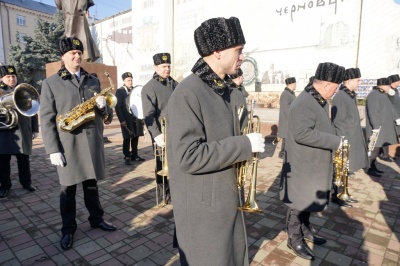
(105, 226)
(351, 200)
(373, 172)
(127, 161)
(341, 202)
(29, 188)
(310, 234)
(138, 158)
(301, 250)
(67, 241)
(388, 159)
(4, 192)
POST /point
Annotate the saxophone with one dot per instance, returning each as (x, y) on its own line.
(84, 112)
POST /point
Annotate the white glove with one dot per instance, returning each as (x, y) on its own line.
(257, 142)
(34, 135)
(398, 122)
(391, 92)
(101, 102)
(160, 140)
(58, 159)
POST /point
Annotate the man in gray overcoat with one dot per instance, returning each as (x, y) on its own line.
(307, 169)
(380, 114)
(15, 140)
(286, 99)
(131, 127)
(78, 153)
(203, 146)
(76, 25)
(394, 84)
(346, 119)
(155, 96)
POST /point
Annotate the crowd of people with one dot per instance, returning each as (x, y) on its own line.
(204, 118)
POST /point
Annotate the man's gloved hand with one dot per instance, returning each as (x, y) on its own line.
(58, 159)
(160, 140)
(398, 122)
(257, 142)
(35, 135)
(101, 102)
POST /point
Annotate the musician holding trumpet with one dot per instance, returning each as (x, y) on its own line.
(78, 152)
(203, 146)
(15, 138)
(307, 169)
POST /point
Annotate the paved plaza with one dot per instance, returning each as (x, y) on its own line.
(367, 234)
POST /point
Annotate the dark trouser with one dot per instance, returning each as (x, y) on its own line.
(68, 205)
(24, 172)
(385, 152)
(130, 144)
(372, 159)
(282, 152)
(295, 219)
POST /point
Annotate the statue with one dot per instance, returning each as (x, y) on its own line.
(76, 25)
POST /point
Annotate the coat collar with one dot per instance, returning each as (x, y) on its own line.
(317, 96)
(66, 75)
(378, 89)
(289, 90)
(351, 93)
(163, 81)
(208, 76)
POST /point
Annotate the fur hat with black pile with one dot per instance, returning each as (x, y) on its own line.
(218, 34)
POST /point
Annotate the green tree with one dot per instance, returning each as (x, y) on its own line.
(30, 59)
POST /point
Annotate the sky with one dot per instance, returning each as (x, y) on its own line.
(102, 8)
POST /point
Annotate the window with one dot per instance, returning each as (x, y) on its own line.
(21, 20)
(21, 37)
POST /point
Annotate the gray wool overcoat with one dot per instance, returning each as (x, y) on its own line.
(154, 100)
(203, 145)
(18, 140)
(285, 101)
(83, 147)
(380, 113)
(307, 169)
(396, 105)
(76, 25)
(346, 119)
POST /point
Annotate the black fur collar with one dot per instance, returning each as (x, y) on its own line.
(65, 74)
(317, 96)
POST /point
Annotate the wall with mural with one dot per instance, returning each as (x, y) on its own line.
(284, 38)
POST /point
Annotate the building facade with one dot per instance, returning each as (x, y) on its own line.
(20, 17)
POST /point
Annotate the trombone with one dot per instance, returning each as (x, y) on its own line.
(250, 205)
(162, 153)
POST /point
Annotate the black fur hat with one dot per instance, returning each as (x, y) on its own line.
(382, 82)
(290, 80)
(394, 78)
(7, 70)
(69, 44)
(126, 75)
(218, 34)
(162, 58)
(352, 73)
(238, 74)
(330, 72)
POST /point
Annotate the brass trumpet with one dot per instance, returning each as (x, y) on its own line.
(250, 205)
(341, 162)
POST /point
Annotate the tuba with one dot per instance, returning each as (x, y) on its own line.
(341, 162)
(250, 205)
(162, 152)
(84, 112)
(24, 99)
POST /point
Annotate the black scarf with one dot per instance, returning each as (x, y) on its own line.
(65, 74)
(163, 81)
(208, 76)
(314, 93)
